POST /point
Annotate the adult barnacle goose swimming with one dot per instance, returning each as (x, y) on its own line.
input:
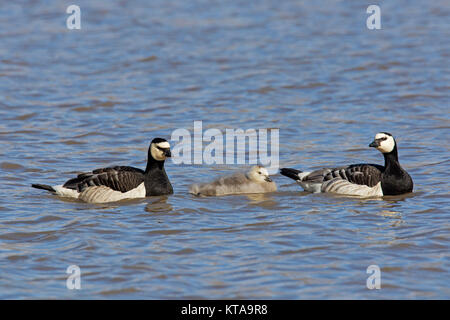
(120, 182)
(256, 180)
(367, 180)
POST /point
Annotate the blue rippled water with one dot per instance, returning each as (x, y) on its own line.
(75, 100)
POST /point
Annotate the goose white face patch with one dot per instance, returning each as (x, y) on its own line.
(164, 145)
(157, 153)
(387, 142)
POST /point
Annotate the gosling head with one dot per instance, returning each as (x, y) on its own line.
(258, 174)
(159, 149)
(383, 142)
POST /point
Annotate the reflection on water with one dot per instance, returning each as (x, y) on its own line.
(158, 205)
(73, 101)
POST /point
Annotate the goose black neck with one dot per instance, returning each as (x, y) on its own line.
(153, 164)
(391, 159)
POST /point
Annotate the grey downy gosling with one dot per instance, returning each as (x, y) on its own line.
(256, 180)
(120, 182)
(365, 180)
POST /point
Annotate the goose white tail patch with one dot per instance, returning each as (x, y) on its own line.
(66, 192)
(301, 175)
(311, 187)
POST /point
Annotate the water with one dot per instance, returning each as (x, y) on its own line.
(73, 101)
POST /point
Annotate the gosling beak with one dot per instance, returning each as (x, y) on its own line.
(268, 179)
(375, 144)
(167, 153)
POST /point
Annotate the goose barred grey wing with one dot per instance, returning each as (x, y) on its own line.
(358, 179)
(361, 174)
(119, 178)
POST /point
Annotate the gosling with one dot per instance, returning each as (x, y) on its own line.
(256, 180)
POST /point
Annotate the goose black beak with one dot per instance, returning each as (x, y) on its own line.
(167, 153)
(375, 144)
(268, 179)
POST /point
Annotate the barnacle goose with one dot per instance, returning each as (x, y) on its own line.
(366, 180)
(254, 181)
(120, 182)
